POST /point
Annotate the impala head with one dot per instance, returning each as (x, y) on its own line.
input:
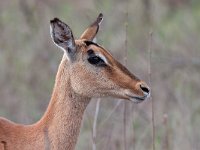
(93, 71)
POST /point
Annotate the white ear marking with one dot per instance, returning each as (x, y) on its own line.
(51, 30)
(94, 40)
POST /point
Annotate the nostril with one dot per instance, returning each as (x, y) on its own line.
(144, 89)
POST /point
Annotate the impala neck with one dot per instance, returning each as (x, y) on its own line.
(62, 120)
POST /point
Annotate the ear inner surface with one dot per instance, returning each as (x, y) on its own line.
(62, 36)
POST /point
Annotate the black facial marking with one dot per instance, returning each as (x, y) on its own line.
(91, 43)
(90, 52)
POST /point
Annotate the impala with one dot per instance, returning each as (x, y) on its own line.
(86, 70)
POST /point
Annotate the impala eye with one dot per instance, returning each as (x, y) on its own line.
(95, 60)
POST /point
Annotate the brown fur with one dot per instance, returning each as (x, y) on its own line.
(91, 32)
(76, 83)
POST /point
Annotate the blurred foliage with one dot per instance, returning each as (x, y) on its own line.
(29, 60)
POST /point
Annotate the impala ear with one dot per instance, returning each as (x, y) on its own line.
(62, 36)
(90, 33)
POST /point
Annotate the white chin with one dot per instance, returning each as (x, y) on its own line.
(135, 100)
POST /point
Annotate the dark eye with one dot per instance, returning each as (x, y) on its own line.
(95, 60)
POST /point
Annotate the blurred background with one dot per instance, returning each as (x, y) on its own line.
(29, 61)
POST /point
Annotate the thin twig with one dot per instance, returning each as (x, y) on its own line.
(165, 143)
(94, 131)
(133, 128)
(89, 120)
(152, 102)
(125, 122)
(125, 61)
(108, 117)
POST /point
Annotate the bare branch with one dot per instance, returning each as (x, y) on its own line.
(94, 130)
(152, 102)
(125, 60)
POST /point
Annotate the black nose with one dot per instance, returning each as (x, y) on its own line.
(144, 89)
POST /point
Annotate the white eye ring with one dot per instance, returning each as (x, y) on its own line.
(102, 57)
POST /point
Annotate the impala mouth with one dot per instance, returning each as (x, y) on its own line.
(137, 99)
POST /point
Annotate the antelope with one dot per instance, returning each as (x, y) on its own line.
(87, 70)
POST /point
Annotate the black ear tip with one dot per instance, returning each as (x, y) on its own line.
(100, 16)
(54, 20)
